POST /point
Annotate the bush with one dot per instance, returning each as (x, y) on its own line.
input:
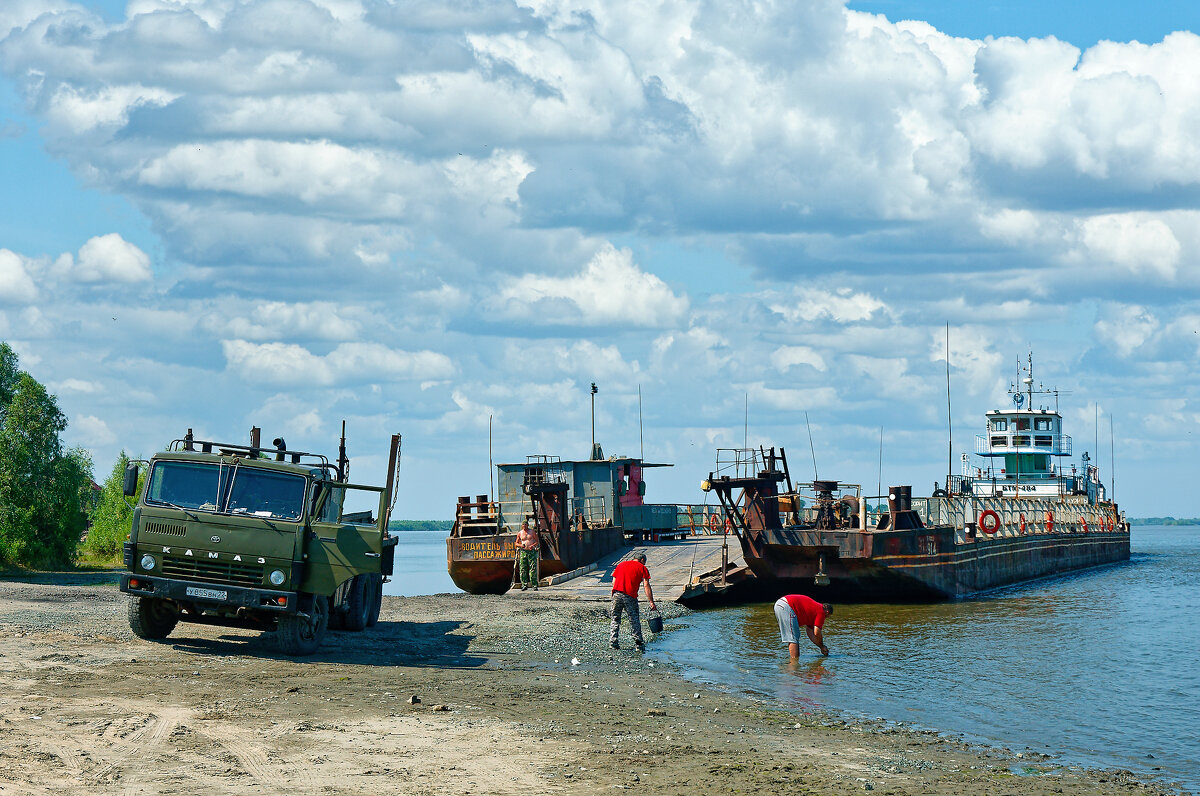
(112, 519)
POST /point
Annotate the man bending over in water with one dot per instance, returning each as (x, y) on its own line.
(796, 610)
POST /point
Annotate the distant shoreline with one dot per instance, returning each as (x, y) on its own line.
(1164, 521)
(420, 525)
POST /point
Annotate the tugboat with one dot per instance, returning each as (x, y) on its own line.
(581, 510)
(1024, 513)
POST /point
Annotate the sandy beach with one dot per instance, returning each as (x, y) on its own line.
(451, 694)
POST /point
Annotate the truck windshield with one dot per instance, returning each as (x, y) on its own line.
(206, 487)
(265, 493)
(190, 485)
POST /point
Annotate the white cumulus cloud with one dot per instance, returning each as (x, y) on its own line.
(349, 363)
(611, 289)
(16, 285)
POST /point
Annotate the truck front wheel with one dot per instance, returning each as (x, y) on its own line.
(152, 619)
(301, 635)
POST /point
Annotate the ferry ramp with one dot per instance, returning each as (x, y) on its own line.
(673, 566)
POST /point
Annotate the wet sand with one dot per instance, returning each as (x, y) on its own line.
(499, 708)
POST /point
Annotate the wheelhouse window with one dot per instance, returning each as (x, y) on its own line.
(1042, 424)
(1022, 423)
(1000, 424)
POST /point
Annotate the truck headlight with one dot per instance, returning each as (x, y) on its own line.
(147, 562)
(277, 577)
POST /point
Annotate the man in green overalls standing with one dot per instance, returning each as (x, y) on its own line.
(527, 556)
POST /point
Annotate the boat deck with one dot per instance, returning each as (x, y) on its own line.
(673, 566)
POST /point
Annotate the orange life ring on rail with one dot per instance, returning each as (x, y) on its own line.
(989, 521)
(1083, 523)
(1022, 522)
(728, 525)
(1049, 521)
(714, 523)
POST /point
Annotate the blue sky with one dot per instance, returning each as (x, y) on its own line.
(414, 217)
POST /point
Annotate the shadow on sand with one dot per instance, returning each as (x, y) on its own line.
(421, 644)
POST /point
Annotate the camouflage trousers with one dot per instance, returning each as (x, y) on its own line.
(623, 602)
(528, 567)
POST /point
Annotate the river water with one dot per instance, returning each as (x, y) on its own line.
(1098, 668)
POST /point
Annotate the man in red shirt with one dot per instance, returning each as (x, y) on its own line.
(795, 611)
(627, 576)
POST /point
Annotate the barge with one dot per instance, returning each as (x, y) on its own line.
(581, 511)
(1023, 513)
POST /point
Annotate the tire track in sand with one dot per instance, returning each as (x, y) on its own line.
(146, 741)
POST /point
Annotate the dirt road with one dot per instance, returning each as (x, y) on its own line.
(87, 708)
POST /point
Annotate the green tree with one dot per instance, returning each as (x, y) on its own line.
(112, 518)
(8, 377)
(42, 486)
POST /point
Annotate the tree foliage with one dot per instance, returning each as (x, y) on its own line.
(43, 488)
(113, 517)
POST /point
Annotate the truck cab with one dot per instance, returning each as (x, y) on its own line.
(276, 540)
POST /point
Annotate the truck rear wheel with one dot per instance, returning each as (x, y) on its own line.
(377, 603)
(152, 619)
(302, 635)
(359, 602)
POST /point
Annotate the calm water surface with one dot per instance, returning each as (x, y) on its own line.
(1100, 667)
(421, 565)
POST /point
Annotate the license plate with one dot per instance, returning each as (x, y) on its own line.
(206, 594)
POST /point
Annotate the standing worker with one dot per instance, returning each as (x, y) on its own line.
(796, 610)
(627, 576)
(527, 556)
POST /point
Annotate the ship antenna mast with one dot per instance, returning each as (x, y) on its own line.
(949, 419)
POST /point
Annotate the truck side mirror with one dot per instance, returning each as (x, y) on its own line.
(129, 487)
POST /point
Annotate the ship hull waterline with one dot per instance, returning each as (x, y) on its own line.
(485, 564)
(918, 565)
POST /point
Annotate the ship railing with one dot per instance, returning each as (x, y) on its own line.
(739, 462)
(592, 509)
(1023, 516)
(543, 469)
(479, 517)
(700, 519)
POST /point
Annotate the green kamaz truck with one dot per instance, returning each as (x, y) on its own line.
(276, 540)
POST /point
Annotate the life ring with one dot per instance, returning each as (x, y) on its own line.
(1022, 522)
(714, 523)
(1083, 523)
(1049, 521)
(728, 525)
(989, 521)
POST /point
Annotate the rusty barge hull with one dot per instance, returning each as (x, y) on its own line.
(918, 564)
(484, 564)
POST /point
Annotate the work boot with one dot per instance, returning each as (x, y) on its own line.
(523, 587)
(614, 645)
(639, 646)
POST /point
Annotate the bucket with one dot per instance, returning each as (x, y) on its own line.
(654, 620)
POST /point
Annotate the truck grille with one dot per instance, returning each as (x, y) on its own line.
(164, 529)
(212, 571)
